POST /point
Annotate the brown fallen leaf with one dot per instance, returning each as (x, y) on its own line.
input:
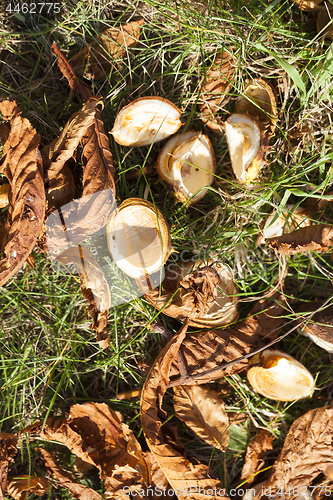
(77, 86)
(85, 216)
(204, 352)
(306, 453)
(22, 164)
(62, 149)
(20, 487)
(96, 60)
(318, 326)
(215, 86)
(60, 187)
(66, 480)
(255, 454)
(317, 238)
(205, 295)
(158, 478)
(203, 412)
(184, 476)
(124, 479)
(94, 433)
(8, 449)
(94, 288)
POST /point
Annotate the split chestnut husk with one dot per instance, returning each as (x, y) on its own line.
(259, 102)
(276, 375)
(246, 147)
(146, 120)
(206, 295)
(138, 238)
(186, 164)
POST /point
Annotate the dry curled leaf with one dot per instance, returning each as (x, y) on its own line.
(318, 326)
(255, 454)
(126, 480)
(94, 288)
(181, 473)
(198, 291)
(206, 295)
(20, 487)
(21, 163)
(94, 433)
(84, 217)
(215, 88)
(62, 149)
(317, 238)
(66, 480)
(306, 453)
(203, 412)
(203, 352)
(96, 60)
(59, 180)
(8, 449)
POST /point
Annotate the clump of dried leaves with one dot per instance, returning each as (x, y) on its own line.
(44, 209)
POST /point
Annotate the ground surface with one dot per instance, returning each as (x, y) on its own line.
(50, 359)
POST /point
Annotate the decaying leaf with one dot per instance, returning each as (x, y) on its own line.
(317, 238)
(158, 478)
(62, 149)
(8, 449)
(94, 433)
(306, 453)
(59, 180)
(255, 454)
(317, 326)
(60, 189)
(206, 295)
(124, 479)
(20, 487)
(181, 473)
(21, 164)
(84, 217)
(215, 88)
(96, 60)
(203, 412)
(94, 288)
(66, 480)
(203, 352)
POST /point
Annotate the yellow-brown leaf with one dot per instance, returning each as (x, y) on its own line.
(203, 412)
(181, 473)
